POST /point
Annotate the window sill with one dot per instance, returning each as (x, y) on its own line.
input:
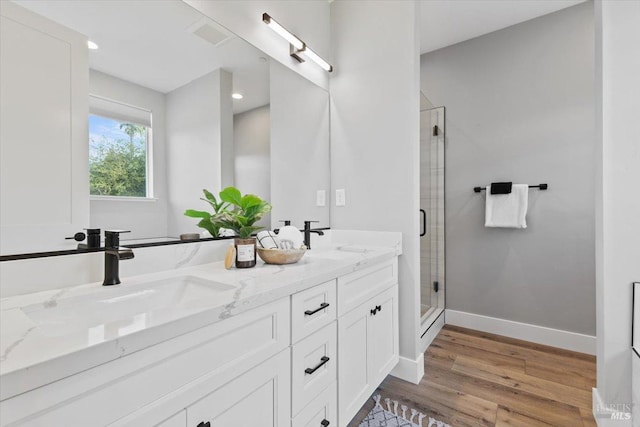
(123, 199)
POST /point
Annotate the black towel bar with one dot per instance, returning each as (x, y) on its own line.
(540, 186)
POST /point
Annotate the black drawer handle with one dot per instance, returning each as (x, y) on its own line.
(375, 310)
(379, 307)
(324, 423)
(323, 360)
(203, 424)
(312, 312)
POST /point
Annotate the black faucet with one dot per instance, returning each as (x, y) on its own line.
(308, 231)
(113, 253)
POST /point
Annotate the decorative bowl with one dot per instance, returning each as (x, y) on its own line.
(281, 256)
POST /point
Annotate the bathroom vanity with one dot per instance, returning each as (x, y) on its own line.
(298, 345)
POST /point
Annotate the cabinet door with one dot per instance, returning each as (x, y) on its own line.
(353, 375)
(44, 173)
(259, 397)
(382, 342)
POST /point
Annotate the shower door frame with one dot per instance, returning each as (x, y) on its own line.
(436, 311)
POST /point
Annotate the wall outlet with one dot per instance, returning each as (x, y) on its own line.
(341, 197)
(321, 198)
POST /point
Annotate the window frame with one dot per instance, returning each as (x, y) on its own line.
(149, 190)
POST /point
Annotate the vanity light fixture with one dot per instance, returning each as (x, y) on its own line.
(297, 48)
(237, 96)
(92, 45)
(283, 32)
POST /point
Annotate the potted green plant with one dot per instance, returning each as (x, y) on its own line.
(207, 220)
(240, 216)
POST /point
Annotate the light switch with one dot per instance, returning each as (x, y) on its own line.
(341, 197)
(321, 198)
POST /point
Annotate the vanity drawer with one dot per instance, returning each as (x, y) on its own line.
(321, 410)
(312, 309)
(355, 288)
(313, 366)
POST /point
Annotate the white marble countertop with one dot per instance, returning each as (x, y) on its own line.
(47, 336)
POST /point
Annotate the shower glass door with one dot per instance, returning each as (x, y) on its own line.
(432, 266)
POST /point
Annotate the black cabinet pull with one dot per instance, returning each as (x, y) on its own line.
(202, 424)
(374, 311)
(323, 360)
(379, 307)
(324, 423)
(207, 424)
(312, 312)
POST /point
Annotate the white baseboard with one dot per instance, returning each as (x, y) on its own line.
(523, 331)
(596, 402)
(409, 370)
(430, 334)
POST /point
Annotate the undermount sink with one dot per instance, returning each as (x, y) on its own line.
(125, 309)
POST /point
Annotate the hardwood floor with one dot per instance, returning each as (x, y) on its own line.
(477, 379)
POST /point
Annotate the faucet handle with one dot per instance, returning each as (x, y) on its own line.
(307, 224)
(112, 237)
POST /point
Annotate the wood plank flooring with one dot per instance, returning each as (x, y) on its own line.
(478, 379)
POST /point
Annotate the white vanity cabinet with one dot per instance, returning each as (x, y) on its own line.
(367, 335)
(292, 362)
(44, 80)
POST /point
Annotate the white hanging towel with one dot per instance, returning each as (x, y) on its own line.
(507, 210)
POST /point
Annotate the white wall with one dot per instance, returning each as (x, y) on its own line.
(309, 20)
(251, 134)
(145, 218)
(375, 135)
(194, 140)
(299, 148)
(520, 108)
(617, 204)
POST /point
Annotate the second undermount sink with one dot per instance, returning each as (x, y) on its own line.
(125, 309)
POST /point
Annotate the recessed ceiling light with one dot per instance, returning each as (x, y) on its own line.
(236, 96)
(92, 45)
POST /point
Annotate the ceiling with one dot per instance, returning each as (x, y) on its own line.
(447, 22)
(152, 43)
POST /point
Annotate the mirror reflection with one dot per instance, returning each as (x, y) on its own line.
(178, 104)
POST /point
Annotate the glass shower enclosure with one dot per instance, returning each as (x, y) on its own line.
(432, 244)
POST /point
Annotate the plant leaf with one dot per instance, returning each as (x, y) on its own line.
(197, 214)
(209, 226)
(231, 195)
(245, 232)
(249, 201)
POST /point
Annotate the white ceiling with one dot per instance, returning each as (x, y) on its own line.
(148, 42)
(447, 22)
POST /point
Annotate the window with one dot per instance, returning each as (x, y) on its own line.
(119, 150)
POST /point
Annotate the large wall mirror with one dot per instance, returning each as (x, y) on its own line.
(177, 104)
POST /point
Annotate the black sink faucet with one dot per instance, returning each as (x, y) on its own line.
(308, 231)
(113, 253)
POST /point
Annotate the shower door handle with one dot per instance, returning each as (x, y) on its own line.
(424, 223)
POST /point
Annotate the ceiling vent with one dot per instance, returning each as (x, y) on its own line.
(210, 31)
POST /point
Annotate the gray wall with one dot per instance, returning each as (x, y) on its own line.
(520, 107)
(195, 127)
(251, 141)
